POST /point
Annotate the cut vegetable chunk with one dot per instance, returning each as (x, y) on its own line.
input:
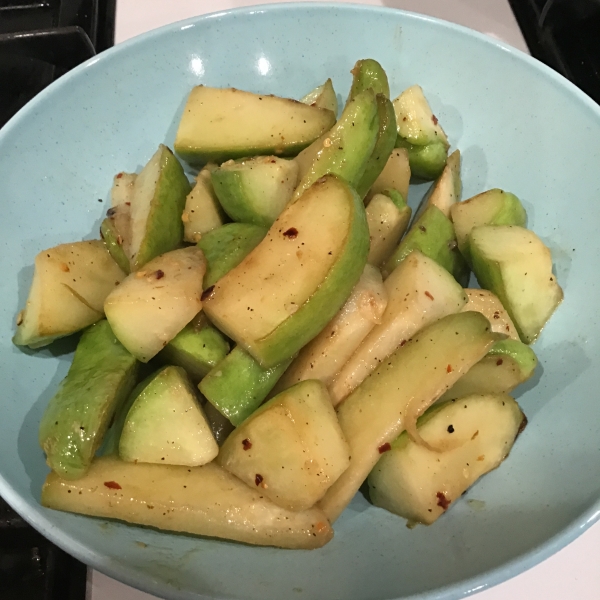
(237, 386)
(114, 242)
(508, 364)
(255, 190)
(157, 204)
(395, 175)
(489, 305)
(477, 434)
(101, 377)
(198, 347)
(416, 123)
(199, 500)
(202, 212)
(494, 207)
(344, 150)
(166, 424)
(122, 189)
(152, 306)
(426, 162)
(400, 390)
(368, 73)
(225, 247)
(515, 264)
(70, 284)
(433, 234)
(292, 448)
(292, 284)
(323, 357)
(446, 191)
(323, 97)
(384, 145)
(220, 124)
(388, 217)
(419, 292)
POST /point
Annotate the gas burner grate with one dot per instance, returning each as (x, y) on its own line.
(564, 34)
(42, 40)
(31, 568)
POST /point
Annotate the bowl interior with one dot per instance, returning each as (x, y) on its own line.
(519, 127)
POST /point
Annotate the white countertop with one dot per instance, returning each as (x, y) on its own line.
(573, 572)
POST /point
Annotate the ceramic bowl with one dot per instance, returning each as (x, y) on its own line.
(519, 125)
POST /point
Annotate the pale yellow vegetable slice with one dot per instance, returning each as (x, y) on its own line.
(70, 284)
(122, 189)
(508, 364)
(387, 224)
(222, 123)
(516, 265)
(328, 352)
(477, 434)
(153, 305)
(446, 191)
(400, 390)
(291, 285)
(419, 292)
(416, 123)
(489, 305)
(395, 174)
(203, 500)
(292, 448)
(323, 96)
(202, 212)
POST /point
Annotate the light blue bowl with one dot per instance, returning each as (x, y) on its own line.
(519, 126)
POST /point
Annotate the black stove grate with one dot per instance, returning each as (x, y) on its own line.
(31, 568)
(564, 34)
(40, 40)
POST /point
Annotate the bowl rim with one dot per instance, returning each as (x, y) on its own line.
(129, 576)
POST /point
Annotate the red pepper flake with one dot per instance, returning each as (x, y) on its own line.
(247, 444)
(384, 448)
(159, 274)
(119, 175)
(429, 295)
(497, 315)
(499, 362)
(402, 343)
(443, 502)
(207, 293)
(258, 479)
(127, 203)
(112, 485)
(449, 369)
(291, 233)
(434, 119)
